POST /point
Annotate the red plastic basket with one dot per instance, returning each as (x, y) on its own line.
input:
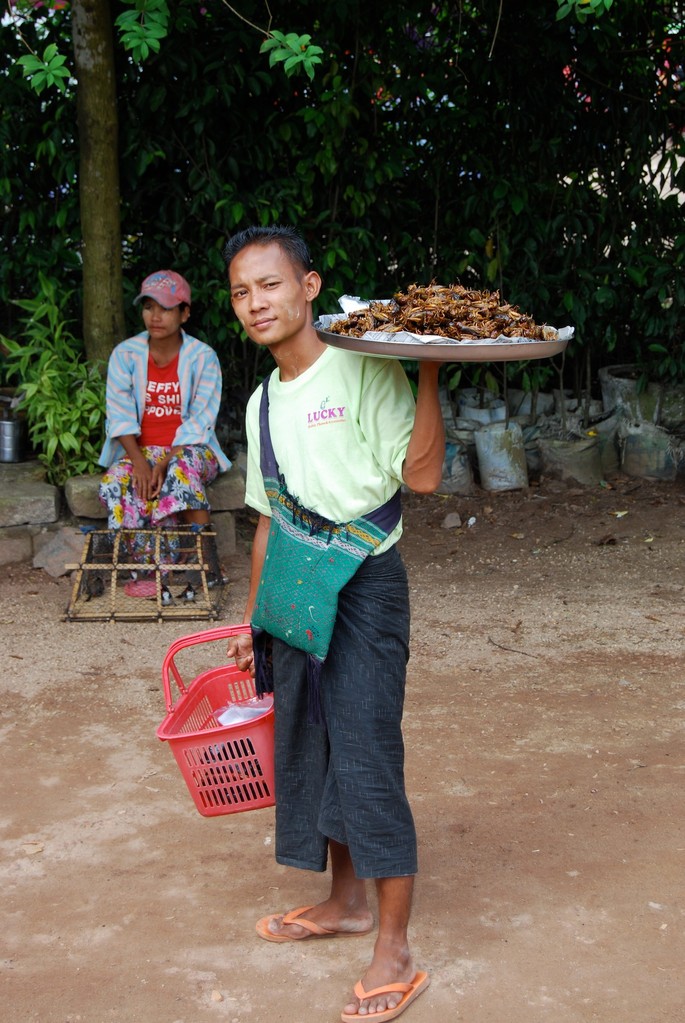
(227, 768)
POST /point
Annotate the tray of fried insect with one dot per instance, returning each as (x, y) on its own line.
(440, 323)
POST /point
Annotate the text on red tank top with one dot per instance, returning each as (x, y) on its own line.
(162, 415)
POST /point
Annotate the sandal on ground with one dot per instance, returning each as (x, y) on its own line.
(294, 917)
(409, 993)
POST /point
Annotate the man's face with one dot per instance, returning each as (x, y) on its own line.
(270, 295)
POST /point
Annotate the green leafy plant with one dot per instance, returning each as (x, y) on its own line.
(62, 396)
(668, 361)
(142, 29)
(662, 359)
(46, 70)
(410, 155)
(294, 52)
(582, 9)
(533, 378)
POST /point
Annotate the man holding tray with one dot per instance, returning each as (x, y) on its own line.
(332, 436)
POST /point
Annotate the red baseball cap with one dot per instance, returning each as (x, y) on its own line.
(166, 287)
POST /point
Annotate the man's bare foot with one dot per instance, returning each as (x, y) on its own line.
(388, 967)
(323, 921)
(368, 1000)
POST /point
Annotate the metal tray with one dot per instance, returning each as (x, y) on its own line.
(386, 346)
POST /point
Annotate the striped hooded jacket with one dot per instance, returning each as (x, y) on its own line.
(199, 375)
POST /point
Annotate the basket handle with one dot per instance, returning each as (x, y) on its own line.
(169, 668)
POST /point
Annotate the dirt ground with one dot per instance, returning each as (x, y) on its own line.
(545, 762)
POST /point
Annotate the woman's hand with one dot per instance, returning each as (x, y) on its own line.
(142, 473)
(142, 477)
(159, 475)
(240, 648)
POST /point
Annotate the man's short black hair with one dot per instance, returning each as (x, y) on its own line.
(292, 244)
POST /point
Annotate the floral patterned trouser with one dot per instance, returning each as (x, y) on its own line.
(187, 475)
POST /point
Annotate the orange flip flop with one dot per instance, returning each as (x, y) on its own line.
(294, 917)
(409, 993)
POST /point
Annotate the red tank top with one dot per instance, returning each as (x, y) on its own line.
(162, 415)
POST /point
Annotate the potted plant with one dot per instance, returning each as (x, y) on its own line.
(531, 398)
(61, 395)
(667, 372)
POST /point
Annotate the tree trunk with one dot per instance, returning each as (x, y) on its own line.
(103, 305)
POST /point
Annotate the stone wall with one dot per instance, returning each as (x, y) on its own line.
(38, 522)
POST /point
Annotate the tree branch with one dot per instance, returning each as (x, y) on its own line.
(266, 31)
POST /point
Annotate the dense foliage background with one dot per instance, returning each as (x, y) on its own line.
(485, 143)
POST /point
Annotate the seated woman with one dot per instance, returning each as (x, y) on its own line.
(163, 395)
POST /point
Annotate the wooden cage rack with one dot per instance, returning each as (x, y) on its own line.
(147, 575)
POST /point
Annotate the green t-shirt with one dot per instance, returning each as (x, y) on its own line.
(340, 433)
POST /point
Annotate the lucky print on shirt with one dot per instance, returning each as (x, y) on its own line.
(326, 414)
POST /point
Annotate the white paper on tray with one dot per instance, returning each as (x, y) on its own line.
(350, 304)
(404, 337)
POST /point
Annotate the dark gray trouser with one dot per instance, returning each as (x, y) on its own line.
(345, 780)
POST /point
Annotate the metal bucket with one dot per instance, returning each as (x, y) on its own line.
(12, 439)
